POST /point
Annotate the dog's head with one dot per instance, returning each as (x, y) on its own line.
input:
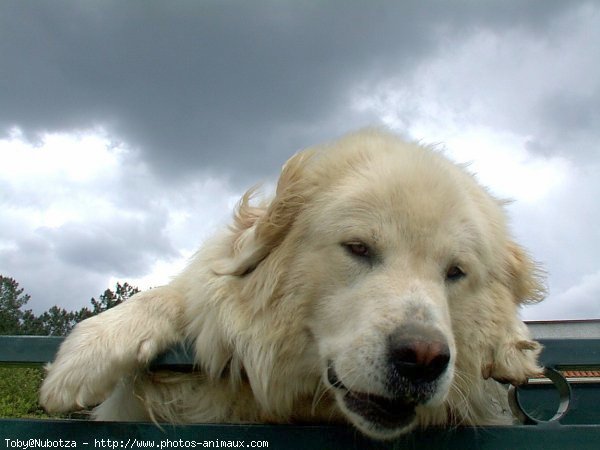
(406, 276)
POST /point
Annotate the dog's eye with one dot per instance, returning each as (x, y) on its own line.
(455, 273)
(358, 249)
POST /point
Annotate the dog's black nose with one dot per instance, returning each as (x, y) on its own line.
(417, 354)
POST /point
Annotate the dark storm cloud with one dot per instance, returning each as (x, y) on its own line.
(124, 246)
(111, 248)
(231, 88)
(571, 121)
(220, 84)
(68, 264)
(46, 277)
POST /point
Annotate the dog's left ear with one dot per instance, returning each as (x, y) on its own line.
(258, 230)
(513, 355)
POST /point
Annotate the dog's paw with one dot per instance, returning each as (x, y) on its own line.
(514, 362)
(66, 388)
(105, 348)
(87, 367)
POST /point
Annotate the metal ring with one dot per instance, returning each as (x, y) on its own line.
(564, 392)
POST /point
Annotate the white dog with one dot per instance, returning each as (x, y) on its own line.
(379, 287)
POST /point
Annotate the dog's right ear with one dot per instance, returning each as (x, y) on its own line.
(258, 230)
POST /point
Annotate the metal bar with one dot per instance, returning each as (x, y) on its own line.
(570, 433)
(28, 350)
(570, 352)
(37, 350)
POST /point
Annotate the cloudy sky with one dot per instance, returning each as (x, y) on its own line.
(128, 130)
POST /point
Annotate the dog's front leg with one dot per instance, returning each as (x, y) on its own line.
(104, 348)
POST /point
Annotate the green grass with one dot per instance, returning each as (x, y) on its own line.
(19, 392)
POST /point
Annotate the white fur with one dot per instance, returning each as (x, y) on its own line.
(269, 302)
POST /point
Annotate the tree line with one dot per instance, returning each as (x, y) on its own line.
(56, 321)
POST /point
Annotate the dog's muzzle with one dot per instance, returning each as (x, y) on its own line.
(381, 411)
(416, 359)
